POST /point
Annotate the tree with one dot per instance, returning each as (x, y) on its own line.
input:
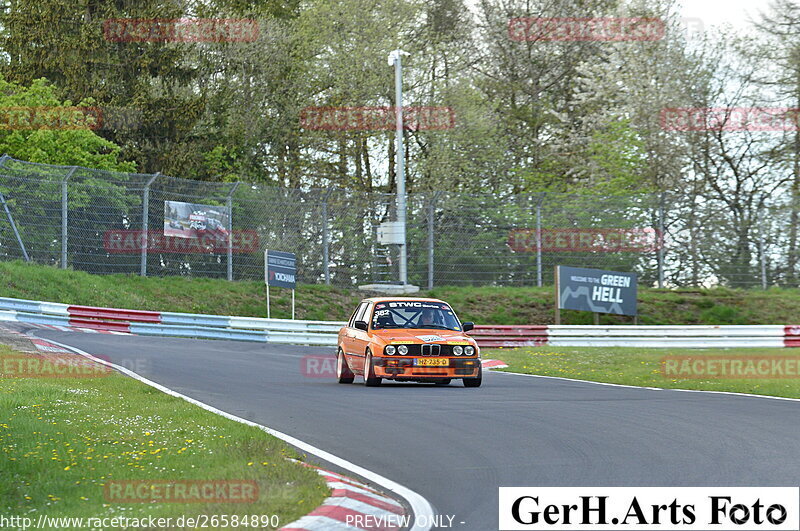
(781, 27)
(40, 128)
(41, 137)
(72, 45)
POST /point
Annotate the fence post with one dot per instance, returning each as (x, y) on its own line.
(10, 218)
(539, 240)
(660, 239)
(14, 226)
(229, 203)
(431, 220)
(145, 223)
(64, 217)
(325, 237)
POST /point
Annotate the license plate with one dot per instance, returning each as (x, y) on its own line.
(431, 362)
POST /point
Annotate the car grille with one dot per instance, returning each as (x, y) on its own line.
(430, 349)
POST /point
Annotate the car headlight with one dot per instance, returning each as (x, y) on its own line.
(458, 350)
(389, 349)
(402, 349)
(469, 351)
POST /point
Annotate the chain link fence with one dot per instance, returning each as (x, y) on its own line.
(107, 222)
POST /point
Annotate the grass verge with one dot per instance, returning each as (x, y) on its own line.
(483, 305)
(63, 438)
(645, 367)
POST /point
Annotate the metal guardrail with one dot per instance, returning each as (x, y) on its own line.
(665, 336)
(675, 336)
(172, 324)
(206, 326)
(510, 336)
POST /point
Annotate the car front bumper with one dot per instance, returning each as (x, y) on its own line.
(404, 368)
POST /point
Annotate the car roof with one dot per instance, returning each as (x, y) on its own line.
(396, 299)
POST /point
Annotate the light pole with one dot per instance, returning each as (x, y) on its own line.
(394, 59)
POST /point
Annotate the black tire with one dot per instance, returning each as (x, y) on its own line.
(442, 381)
(369, 375)
(343, 372)
(474, 382)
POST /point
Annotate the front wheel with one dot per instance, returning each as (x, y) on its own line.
(474, 382)
(369, 372)
(343, 372)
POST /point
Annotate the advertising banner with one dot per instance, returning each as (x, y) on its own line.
(193, 220)
(280, 269)
(596, 290)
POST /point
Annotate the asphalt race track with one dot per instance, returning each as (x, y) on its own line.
(456, 446)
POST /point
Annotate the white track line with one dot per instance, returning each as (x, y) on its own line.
(419, 505)
(650, 388)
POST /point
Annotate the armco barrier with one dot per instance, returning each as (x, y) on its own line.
(324, 332)
(509, 336)
(791, 335)
(171, 323)
(675, 336)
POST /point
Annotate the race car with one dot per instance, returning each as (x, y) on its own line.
(197, 220)
(407, 340)
(215, 229)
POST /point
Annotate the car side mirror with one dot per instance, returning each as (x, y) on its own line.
(468, 326)
(361, 325)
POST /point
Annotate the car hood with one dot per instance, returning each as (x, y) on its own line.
(422, 335)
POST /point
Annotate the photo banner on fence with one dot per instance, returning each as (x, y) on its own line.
(193, 220)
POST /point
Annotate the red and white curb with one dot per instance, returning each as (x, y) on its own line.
(45, 346)
(493, 364)
(352, 505)
(40, 344)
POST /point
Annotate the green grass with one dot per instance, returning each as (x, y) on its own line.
(62, 439)
(489, 305)
(641, 367)
(171, 294)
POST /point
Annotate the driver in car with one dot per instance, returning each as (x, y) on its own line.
(427, 318)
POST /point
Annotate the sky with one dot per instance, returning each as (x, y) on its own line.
(737, 13)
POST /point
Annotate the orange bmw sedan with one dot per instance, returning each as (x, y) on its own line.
(408, 340)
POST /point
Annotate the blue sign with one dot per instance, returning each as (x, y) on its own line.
(280, 269)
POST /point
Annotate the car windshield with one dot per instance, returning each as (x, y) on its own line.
(413, 314)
